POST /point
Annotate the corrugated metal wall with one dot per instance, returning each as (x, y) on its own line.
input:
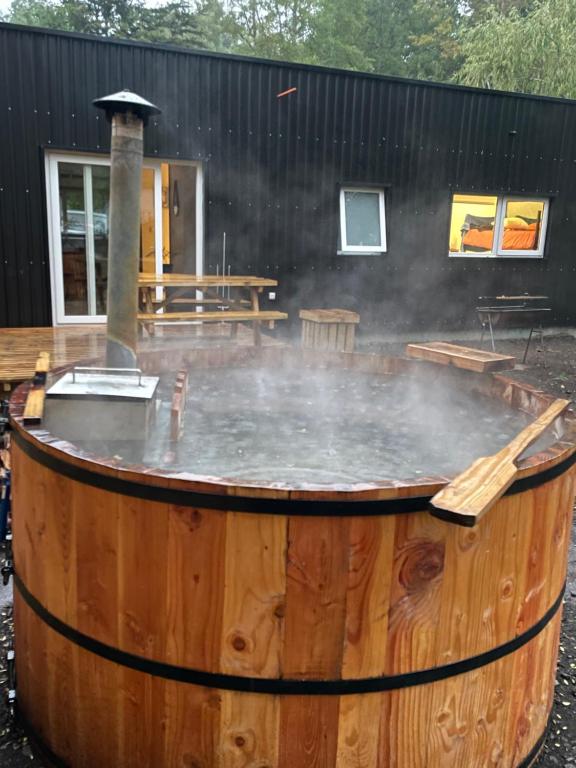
(274, 166)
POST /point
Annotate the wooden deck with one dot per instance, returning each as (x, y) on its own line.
(19, 347)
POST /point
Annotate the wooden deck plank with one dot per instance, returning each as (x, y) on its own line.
(478, 360)
(20, 348)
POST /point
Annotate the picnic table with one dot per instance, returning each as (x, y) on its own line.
(217, 298)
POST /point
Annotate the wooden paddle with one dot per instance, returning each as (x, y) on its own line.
(472, 493)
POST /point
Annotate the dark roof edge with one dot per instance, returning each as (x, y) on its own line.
(277, 63)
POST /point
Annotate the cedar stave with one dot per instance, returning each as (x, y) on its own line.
(137, 721)
(132, 572)
(302, 622)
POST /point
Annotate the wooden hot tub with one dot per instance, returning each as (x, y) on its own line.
(168, 622)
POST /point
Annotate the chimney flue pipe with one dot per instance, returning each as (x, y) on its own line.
(128, 114)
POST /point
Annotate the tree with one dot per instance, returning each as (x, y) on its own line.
(337, 36)
(37, 13)
(414, 38)
(175, 21)
(274, 29)
(433, 51)
(477, 10)
(532, 53)
(97, 17)
(210, 17)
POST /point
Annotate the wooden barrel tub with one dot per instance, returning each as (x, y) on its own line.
(170, 622)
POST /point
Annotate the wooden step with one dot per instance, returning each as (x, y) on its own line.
(468, 358)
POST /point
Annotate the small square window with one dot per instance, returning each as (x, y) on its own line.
(484, 225)
(362, 220)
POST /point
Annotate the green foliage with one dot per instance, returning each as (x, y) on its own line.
(520, 45)
(477, 10)
(175, 21)
(433, 47)
(211, 27)
(337, 35)
(37, 13)
(416, 38)
(533, 53)
(275, 29)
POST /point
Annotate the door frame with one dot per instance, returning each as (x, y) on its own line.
(51, 161)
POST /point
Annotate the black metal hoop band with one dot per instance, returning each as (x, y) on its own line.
(255, 505)
(53, 761)
(282, 686)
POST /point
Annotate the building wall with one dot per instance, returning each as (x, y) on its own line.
(273, 169)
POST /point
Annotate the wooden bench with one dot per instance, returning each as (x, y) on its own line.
(149, 320)
(461, 357)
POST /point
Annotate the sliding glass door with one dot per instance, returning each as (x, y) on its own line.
(78, 189)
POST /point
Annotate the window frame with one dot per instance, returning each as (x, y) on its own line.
(52, 189)
(352, 250)
(497, 251)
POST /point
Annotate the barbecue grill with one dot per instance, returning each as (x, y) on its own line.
(522, 310)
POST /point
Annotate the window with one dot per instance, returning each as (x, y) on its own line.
(489, 225)
(362, 221)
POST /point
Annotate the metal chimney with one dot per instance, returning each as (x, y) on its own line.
(128, 114)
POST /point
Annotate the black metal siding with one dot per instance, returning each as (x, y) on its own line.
(274, 166)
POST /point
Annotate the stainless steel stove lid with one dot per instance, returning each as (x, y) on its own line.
(104, 384)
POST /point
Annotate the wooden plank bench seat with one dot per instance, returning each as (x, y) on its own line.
(224, 316)
(199, 302)
(148, 320)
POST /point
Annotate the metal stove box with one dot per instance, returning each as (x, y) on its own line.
(101, 404)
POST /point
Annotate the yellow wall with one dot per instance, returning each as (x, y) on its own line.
(147, 226)
(484, 205)
(165, 213)
(528, 208)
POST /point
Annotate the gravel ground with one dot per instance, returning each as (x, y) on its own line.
(551, 366)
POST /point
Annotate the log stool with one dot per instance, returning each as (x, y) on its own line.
(329, 329)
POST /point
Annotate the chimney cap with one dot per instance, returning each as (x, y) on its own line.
(126, 101)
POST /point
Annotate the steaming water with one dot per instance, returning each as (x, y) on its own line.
(323, 427)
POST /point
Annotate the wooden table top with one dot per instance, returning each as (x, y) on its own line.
(522, 297)
(171, 280)
(329, 315)
(507, 309)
